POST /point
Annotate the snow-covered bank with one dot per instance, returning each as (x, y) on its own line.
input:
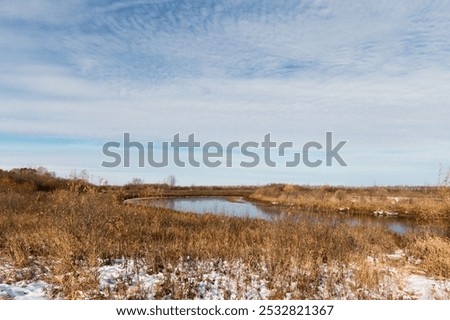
(425, 288)
(24, 290)
(217, 279)
(212, 279)
(14, 286)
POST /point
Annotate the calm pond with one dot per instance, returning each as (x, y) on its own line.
(242, 208)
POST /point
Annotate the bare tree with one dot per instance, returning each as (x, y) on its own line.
(137, 181)
(83, 175)
(171, 181)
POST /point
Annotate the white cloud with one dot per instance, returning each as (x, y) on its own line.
(374, 73)
(51, 81)
(47, 11)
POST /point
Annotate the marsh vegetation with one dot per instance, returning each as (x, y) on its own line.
(84, 242)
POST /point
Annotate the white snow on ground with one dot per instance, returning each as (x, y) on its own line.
(133, 278)
(199, 279)
(397, 255)
(23, 290)
(221, 279)
(416, 286)
(13, 286)
(424, 288)
(217, 279)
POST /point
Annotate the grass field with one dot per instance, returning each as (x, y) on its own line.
(80, 241)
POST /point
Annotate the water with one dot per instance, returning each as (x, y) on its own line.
(237, 207)
(240, 208)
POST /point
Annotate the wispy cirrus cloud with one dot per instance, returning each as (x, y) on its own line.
(375, 73)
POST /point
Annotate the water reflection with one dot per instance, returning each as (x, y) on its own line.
(241, 208)
(223, 206)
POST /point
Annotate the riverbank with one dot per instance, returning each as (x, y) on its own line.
(427, 204)
(248, 208)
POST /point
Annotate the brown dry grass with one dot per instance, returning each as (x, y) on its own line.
(74, 228)
(70, 231)
(434, 255)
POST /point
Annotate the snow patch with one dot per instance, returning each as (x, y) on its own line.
(425, 288)
(25, 291)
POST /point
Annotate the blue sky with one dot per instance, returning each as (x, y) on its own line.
(77, 74)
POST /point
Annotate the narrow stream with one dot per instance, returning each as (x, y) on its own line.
(241, 208)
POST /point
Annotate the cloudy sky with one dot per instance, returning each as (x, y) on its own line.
(77, 74)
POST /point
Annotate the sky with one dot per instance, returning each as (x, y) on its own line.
(75, 75)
